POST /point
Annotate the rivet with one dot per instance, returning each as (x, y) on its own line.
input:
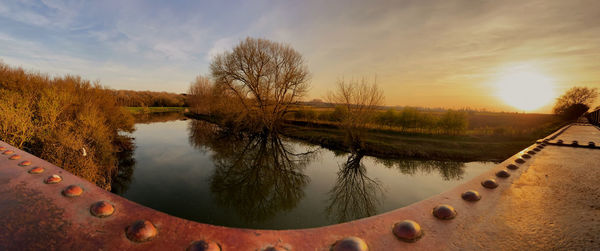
(7, 152)
(274, 248)
(471, 195)
(591, 144)
(407, 230)
(520, 161)
(36, 170)
(512, 166)
(15, 157)
(53, 179)
(350, 244)
(574, 143)
(489, 183)
(444, 212)
(526, 156)
(537, 149)
(203, 245)
(502, 174)
(102, 209)
(560, 142)
(531, 152)
(25, 163)
(72, 191)
(2, 148)
(141, 231)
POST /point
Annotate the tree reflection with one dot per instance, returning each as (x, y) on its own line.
(256, 175)
(448, 170)
(126, 165)
(354, 195)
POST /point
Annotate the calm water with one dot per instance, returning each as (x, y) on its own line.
(189, 169)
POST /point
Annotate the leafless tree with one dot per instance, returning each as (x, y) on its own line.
(266, 78)
(359, 100)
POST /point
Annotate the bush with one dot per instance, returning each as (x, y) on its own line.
(67, 121)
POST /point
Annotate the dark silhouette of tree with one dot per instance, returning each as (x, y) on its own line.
(354, 195)
(265, 77)
(575, 102)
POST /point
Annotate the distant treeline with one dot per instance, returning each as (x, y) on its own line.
(149, 99)
(66, 120)
(450, 122)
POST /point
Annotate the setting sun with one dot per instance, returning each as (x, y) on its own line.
(525, 90)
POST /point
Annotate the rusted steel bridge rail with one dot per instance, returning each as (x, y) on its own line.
(544, 197)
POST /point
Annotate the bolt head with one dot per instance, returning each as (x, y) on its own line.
(444, 212)
(25, 163)
(512, 166)
(350, 244)
(141, 231)
(502, 174)
(15, 157)
(520, 161)
(72, 191)
(526, 156)
(203, 245)
(7, 152)
(471, 195)
(407, 230)
(560, 142)
(53, 179)
(574, 143)
(489, 183)
(537, 149)
(102, 209)
(591, 144)
(36, 170)
(531, 152)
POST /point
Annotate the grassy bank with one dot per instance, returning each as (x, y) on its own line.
(142, 110)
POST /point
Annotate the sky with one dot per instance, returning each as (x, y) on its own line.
(445, 53)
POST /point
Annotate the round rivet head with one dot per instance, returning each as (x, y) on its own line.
(574, 143)
(408, 231)
(203, 245)
(444, 212)
(520, 161)
(25, 163)
(537, 149)
(526, 156)
(53, 179)
(560, 142)
(274, 248)
(2, 148)
(471, 195)
(72, 191)
(591, 144)
(531, 152)
(502, 174)
(15, 157)
(141, 231)
(512, 166)
(102, 209)
(36, 170)
(489, 183)
(350, 244)
(7, 152)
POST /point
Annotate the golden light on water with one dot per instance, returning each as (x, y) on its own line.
(525, 89)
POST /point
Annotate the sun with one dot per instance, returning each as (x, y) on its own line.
(525, 89)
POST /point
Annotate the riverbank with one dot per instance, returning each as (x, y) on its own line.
(145, 110)
(392, 144)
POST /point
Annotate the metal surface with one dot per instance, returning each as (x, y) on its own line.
(551, 201)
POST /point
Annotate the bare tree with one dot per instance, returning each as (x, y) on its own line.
(265, 76)
(575, 102)
(201, 95)
(359, 100)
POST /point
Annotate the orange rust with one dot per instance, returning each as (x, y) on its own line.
(53, 179)
(7, 152)
(15, 157)
(141, 231)
(203, 245)
(72, 191)
(36, 170)
(25, 163)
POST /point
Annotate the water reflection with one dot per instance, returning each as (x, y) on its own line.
(258, 176)
(354, 194)
(126, 166)
(448, 170)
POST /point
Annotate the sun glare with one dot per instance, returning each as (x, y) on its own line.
(526, 90)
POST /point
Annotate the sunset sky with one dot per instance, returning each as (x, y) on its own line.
(445, 53)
